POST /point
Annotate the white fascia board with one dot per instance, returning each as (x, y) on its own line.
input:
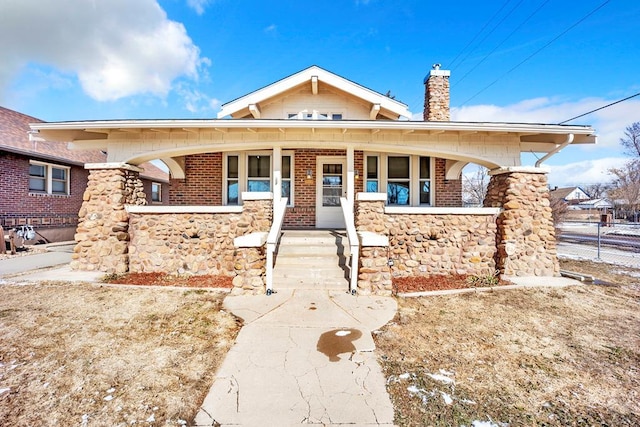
(307, 75)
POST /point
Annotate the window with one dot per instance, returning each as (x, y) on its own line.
(48, 178)
(259, 173)
(232, 184)
(425, 180)
(315, 115)
(372, 174)
(398, 181)
(286, 179)
(156, 192)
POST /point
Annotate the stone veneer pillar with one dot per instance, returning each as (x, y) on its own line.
(102, 234)
(525, 239)
(436, 95)
(374, 273)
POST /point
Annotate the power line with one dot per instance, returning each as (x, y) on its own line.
(601, 108)
(538, 51)
(478, 33)
(503, 41)
(490, 32)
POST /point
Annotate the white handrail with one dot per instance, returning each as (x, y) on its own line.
(354, 243)
(279, 208)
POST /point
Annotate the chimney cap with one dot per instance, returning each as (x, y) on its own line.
(436, 71)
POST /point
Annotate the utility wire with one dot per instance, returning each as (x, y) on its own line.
(451, 66)
(538, 51)
(601, 108)
(490, 32)
(502, 42)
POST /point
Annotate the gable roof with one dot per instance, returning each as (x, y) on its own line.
(16, 137)
(315, 75)
(563, 193)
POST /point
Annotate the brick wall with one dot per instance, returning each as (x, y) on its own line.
(448, 191)
(202, 184)
(18, 206)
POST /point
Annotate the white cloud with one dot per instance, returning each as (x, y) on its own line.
(584, 172)
(194, 100)
(271, 29)
(198, 5)
(608, 123)
(116, 48)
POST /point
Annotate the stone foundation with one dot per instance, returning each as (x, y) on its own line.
(102, 235)
(374, 276)
(526, 243)
(250, 268)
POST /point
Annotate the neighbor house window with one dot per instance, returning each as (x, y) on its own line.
(48, 178)
(372, 174)
(398, 180)
(156, 192)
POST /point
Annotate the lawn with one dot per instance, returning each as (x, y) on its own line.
(546, 356)
(92, 355)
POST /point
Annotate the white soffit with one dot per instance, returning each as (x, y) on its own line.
(311, 75)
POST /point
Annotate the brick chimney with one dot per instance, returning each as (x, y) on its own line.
(436, 95)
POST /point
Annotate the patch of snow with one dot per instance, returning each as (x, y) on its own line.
(477, 423)
(627, 273)
(111, 390)
(85, 420)
(4, 390)
(447, 373)
(342, 333)
(151, 419)
(441, 378)
(447, 398)
(404, 376)
(182, 422)
(467, 401)
(108, 398)
(45, 385)
(414, 389)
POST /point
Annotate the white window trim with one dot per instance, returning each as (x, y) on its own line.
(414, 176)
(292, 177)
(48, 172)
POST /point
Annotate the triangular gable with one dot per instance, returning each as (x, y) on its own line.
(314, 75)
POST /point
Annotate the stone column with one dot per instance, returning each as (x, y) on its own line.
(102, 234)
(374, 273)
(525, 238)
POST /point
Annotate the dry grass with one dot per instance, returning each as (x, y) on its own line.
(87, 355)
(551, 357)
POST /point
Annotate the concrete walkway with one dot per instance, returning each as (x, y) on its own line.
(302, 357)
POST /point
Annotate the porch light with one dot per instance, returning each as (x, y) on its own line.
(309, 173)
(356, 174)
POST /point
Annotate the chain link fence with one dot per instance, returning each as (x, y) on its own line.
(615, 243)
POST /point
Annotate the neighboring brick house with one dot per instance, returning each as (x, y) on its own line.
(42, 182)
(340, 155)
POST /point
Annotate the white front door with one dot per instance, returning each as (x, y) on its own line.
(330, 186)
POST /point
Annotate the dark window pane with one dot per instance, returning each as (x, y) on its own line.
(372, 167)
(372, 186)
(36, 170)
(286, 166)
(425, 193)
(59, 187)
(336, 117)
(286, 190)
(425, 166)
(57, 173)
(232, 167)
(259, 166)
(332, 168)
(398, 193)
(398, 167)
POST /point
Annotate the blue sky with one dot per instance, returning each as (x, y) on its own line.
(107, 59)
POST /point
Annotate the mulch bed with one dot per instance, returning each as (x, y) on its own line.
(163, 279)
(437, 282)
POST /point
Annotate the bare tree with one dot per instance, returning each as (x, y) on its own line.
(631, 140)
(626, 185)
(597, 191)
(474, 185)
(559, 210)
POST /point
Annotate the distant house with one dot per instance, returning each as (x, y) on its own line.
(43, 182)
(571, 195)
(316, 150)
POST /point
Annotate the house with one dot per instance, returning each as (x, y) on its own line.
(315, 150)
(42, 181)
(570, 195)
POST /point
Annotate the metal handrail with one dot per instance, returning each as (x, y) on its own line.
(279, 208)
(354, 243)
